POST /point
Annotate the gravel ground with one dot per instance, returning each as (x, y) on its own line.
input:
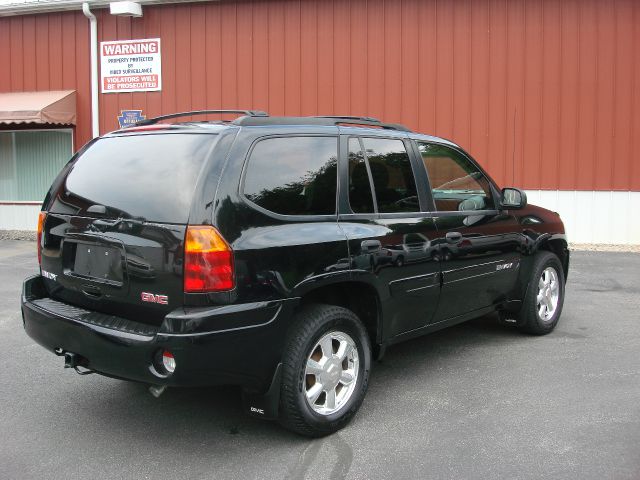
(17, 235)
(601, 247)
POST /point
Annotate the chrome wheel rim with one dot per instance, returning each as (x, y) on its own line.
(548, 294)
(331, 373)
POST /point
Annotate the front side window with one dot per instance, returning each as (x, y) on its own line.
(456, 183)
(293, 175)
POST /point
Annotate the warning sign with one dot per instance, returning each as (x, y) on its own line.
(131, 66)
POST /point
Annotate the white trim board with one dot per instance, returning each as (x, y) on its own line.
(601, 217)
(19, 217)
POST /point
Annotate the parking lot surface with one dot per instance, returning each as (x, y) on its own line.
(473, 401)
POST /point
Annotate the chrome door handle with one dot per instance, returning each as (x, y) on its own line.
(370, 245)
(453, 237)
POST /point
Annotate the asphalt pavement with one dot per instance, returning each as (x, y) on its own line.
(474, 401)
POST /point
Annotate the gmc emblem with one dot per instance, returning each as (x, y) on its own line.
(150, 297)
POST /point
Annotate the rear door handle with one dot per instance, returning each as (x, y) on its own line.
(453, 237)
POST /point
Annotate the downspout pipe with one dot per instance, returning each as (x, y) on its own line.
(93, 35)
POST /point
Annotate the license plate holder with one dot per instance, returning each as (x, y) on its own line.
(98, 262)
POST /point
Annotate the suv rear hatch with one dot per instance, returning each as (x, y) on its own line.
(113, 238)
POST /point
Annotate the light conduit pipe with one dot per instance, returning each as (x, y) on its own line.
(93, 34)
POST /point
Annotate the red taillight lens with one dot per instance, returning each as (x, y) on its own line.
(208, 261)
(41, 219)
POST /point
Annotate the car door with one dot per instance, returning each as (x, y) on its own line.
(478, 243)
(390, 237)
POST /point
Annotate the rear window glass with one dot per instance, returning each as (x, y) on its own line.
(148, 176)
(293, 175)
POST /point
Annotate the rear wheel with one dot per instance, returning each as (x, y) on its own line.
(325, 372)
(545, 296)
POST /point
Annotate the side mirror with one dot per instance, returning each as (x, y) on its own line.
(513, 198)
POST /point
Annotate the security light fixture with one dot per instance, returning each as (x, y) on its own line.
(126, 9)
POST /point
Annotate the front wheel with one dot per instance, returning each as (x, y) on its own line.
(325, 372)
(545, 296)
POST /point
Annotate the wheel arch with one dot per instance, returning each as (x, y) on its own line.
(357, 296)
(556, 244)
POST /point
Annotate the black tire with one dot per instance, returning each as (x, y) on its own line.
(399, 261)
(528, 319)
(310, 324)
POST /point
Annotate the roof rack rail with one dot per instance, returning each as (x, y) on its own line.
(348, 117)
(249, 113)
(255, 121)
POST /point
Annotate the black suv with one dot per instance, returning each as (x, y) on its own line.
(280, 254)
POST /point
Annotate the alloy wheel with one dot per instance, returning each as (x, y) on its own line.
(331, 372)
(548, 294)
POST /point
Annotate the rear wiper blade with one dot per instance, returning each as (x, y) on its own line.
(101, 223)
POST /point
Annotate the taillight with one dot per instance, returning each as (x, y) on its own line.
(41, 219)
(208, 261)
(168, 362)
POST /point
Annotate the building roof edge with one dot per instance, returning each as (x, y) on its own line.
(27, 7)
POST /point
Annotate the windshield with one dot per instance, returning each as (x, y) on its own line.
(151, 177)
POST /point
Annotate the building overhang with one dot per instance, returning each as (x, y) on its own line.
(56, 107)
(26, 7)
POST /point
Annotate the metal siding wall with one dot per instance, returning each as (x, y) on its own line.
(48, 52)
(543, 93)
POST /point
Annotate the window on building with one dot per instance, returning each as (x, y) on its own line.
(293, 175)
(30, 161)
(386, 164)
(456, 183)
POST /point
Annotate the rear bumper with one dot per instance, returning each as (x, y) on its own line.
(239, 345)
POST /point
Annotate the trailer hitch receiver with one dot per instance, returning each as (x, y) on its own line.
(73, 360)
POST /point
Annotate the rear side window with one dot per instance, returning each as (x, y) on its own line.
(149, 176)
(388, 167)
(360, 196)
(293, 175)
